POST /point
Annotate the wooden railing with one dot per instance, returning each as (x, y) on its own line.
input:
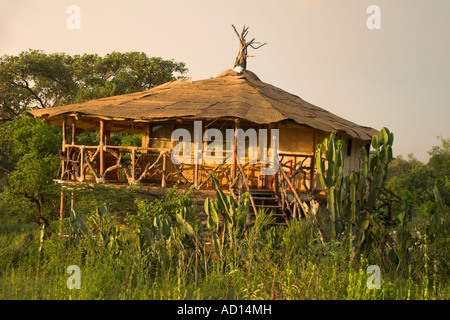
(294, 171)
(301, 171)
(137, 164)
(123, 160)
(133, 165)
(285, 185)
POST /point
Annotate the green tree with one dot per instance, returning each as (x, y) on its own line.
(121, 73)
(400, 166)
(440, 158)
(33, 153)
(34, 79)
(418, 179)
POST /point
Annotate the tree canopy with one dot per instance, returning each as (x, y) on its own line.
(416, 179)
(29, 158)
(34, 79)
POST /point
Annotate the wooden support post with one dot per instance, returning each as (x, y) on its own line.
(146, 137)
(204, 175)
(236, 160)
(73, 156)
(63, 148)
(101, 145)
(294, 180)
(64, 135)
(268, 144)
(82, 163)
(198, 156)
(74, 129)
(62, 205)
(133, 164)
(311, 169)
(163, 181)
(107, 133)
(72, 202)
(196, 175)
(277, 181)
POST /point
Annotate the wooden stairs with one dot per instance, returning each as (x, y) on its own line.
(269, 200)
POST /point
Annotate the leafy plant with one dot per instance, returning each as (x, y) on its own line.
(31, 154)
(359, 202)
(235, 218)
(77, 227)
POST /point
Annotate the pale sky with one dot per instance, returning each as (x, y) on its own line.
(321, 50)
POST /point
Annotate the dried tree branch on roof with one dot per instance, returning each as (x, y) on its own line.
(241, 59)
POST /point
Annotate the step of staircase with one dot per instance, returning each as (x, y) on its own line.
(264, 198)
(269, 200)
(263, 205)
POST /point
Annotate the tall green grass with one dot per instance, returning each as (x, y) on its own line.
(160, 252)
(286, 264)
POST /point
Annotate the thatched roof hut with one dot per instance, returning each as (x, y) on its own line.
(228, 96)
(235, 99)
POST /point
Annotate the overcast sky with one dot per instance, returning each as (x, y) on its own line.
(321, 50)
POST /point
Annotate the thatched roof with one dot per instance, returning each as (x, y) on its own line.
(227, 96)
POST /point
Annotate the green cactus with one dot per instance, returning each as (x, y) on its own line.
(378, 165)
(360, 200)
(162, 225)
(346, 195)
(332, 179)
(351, 184)
(187, 227)
(363, 171)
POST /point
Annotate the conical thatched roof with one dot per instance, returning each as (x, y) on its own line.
(228, 96)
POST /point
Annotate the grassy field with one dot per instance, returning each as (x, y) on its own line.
(121, 259)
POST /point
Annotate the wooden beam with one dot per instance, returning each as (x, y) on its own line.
(313, 160)
(82, 164)
(62, 205)
(133, 164)
(146, 137)
(83, 146)
(63, 148)
(163, 180)
(101, 145)
(233, 165)
(74, 130)
(107, 133)
(196, 175)
(198, 156)
(72, 201)
(204, 145)
(268, 144)
(64, 135)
